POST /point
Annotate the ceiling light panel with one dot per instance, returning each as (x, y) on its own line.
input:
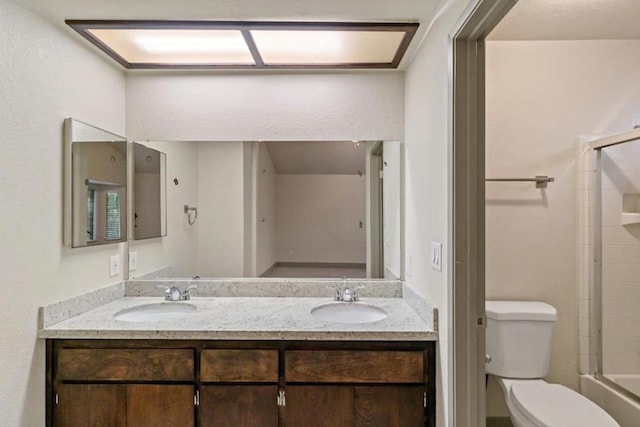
(282, 47)
(176, 46)
(243, 44)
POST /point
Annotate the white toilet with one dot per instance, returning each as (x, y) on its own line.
(518, 341)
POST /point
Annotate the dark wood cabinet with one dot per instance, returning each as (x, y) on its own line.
(90, 405)
(120, 405)
(238, 406)
(157, 383)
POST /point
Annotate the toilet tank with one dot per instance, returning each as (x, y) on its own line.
(518, 338)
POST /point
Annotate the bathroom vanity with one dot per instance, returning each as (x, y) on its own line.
(258, 361)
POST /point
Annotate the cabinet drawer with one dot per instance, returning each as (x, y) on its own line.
(239, 365)
(125, 364)
(336, 366)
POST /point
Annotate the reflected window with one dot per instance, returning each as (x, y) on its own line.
(91, 215)
(113, 216)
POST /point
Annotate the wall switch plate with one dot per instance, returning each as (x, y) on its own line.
(407, 265)
(133, 261)
(114, 265)
(436, 256)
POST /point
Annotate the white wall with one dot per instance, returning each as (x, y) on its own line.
(391, 195)
(220, 209)
(540, 97)
(46, 76)
(317, 218)
(427, 180)
(266, 106)
(266, 211)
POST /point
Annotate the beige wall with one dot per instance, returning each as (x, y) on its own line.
(428, 183)
(540, 97)
(317, 218)
(265, 211)
(46, 76)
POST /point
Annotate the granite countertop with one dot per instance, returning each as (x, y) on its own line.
(240, 318)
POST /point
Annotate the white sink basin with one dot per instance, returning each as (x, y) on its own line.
(155, 311)
(349, 312)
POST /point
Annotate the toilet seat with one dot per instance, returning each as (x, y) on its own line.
(553, 405)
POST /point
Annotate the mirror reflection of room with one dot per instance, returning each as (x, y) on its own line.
(283, 209)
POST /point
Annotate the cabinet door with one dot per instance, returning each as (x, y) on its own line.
(319, 406)
(239, 406)
(389, 406)
(160, 405)
(90, 405)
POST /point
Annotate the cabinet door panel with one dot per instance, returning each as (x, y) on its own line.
(160, 405)
(90, 405)
(354, 366)
(239, 365)
(125, 364)
(319, 406)
(238, 406)
(389, 406)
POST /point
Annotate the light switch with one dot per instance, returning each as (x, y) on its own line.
(407, 265)
(436, 256)
(133, 261)
(114, 265)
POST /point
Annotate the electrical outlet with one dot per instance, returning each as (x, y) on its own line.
(436, 256)
(133, 261)
(114, 265)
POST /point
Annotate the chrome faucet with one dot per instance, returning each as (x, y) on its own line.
(346, 294)
(175, 294)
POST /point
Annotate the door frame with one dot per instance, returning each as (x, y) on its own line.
(467, 293)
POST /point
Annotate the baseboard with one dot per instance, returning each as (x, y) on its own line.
(499, 422)
(321, 264)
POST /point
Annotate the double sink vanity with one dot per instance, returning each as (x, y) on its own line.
(247, 352)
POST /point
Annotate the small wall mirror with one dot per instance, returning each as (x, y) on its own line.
(149, 192)
(95, 185)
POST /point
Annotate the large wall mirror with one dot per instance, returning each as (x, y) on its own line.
(95, 185)
(149, 192)
(282, 209)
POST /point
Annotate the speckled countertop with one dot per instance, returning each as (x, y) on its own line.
(237, 318)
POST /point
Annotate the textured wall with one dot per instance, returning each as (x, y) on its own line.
(427, 184)
(46, 76)
(266, 106)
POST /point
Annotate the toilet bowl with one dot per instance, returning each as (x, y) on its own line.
(518, 343)
(537, 403)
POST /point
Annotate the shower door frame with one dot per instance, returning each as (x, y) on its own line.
(595, 300)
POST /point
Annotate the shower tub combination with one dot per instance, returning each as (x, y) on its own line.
(614, 286)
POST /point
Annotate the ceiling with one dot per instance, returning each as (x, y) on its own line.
(318, 157)
(421, 11)
(570, 20)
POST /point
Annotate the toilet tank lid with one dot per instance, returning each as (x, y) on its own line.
(520, 310)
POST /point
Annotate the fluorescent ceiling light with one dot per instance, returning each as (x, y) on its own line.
(327, 47)
(224, 44)
(176, 46)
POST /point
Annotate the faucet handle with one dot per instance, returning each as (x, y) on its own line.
(338, 294)
(354, 294)
(185, 294)
(167, 292)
